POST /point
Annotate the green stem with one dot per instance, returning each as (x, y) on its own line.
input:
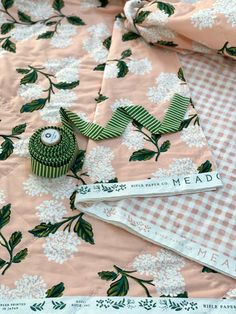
(10, 136)
(6, 245)
(138, 280)
(75, 176)
(158, 154)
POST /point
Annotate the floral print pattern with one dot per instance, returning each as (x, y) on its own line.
(61, 246)
(165, 269)
(51, 211)
(193, 136)
(167, 84)
(178, 167)
(132, 139)
(98, 164)
(59, 188)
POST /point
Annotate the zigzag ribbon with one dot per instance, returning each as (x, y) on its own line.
(56, 160)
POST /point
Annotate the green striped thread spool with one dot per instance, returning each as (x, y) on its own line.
(53, 151)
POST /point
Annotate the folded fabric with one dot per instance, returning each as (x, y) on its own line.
(204, 26)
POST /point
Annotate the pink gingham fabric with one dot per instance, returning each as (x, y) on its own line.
(204, 221)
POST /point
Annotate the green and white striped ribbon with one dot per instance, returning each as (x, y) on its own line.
(56, 160)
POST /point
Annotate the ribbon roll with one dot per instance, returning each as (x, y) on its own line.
(53, 151)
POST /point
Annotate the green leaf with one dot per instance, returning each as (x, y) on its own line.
(123, 69)
(108, 275)
(166, 43)
(19, 129)
(24, 17)
(46, 35)
(231, 51)
(64, 85)
(7, 4)
(78, 164)
(115, 180)
(130, 36)
(119, 287)
(75, 20)
(141, 17)
(15, 239)
(208, 270)
(156, 137)
(165, 146)
(58, 5)
(23, 71)
(6, 28)
(181, 75)
(44, 229)
(104, 3)
(166, 7)
(126, 53)
(5, 213)
(180, 295)
(84, 230)
(20, 256)
(142, 154)
(29, 78)
(56, 291)
(107, 43)
(72, 200)
(36, 104)
(101, 98)
(9, 45)
(7, 148)
(2, 263)
(100, 67)
(205, 167)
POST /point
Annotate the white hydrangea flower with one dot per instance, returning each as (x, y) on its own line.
(167, 84)
(121, 102)
(118, 24)
(60, 246)
(62, 98)
(156, 33)
(2, 197)
(132, 139)
(111, 71)
(146, 264)
(157, 17)
(30, 91)
(193, 136)
(63, 37)
(165, 268)
(93, 44)
(21, 148)
(98, 164)
(87, 4)
(37, 9)
(51, 211)
(190, 1)
(24, 32)
(99, 30)
(139, 66)
(203, 19)
(5, 293)
(95, 48)
(65, 69)
(59, 188)
(30, 287)
(228, 8)
(182, 166)
(169, 283)
(169, 260)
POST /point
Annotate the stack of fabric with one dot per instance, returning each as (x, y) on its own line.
(117, 156)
